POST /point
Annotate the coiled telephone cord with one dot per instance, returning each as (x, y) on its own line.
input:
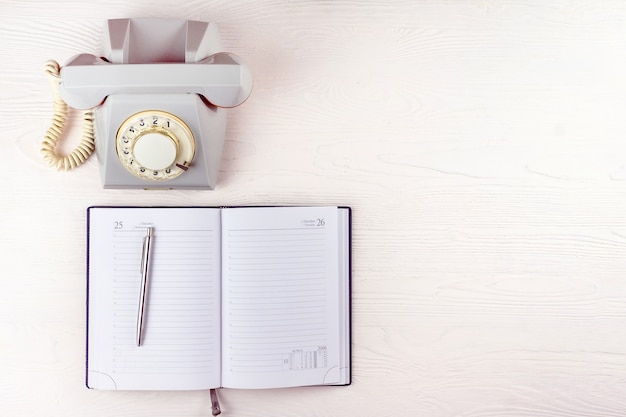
(87, 144)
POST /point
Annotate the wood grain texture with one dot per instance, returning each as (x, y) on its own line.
(480, 144)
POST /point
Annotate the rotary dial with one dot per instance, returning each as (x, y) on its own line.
(155, 145)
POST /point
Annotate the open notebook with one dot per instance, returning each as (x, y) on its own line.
(242, 297)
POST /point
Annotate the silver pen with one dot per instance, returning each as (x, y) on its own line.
(145, 269)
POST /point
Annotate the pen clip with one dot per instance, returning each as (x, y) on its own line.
(144, 250)
(143, 255)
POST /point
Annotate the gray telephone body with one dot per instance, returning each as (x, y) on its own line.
(159, 100)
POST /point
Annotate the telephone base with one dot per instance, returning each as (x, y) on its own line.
(207, 124)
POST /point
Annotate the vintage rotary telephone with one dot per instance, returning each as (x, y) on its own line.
(154, 106)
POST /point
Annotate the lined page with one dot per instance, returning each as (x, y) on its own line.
(280, 297)
(180, 346)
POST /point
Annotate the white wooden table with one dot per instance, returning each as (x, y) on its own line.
(481, 144)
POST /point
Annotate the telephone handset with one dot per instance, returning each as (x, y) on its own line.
(154, 105)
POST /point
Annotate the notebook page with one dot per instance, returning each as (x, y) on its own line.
(180, 347)
(280, 297)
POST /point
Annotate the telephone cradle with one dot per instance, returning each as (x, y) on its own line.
(154, 105)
